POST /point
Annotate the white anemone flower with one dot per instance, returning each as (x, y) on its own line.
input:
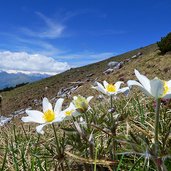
(81, 103)
(155, 88)
(110, 89)
(48, 116)
(70, 111)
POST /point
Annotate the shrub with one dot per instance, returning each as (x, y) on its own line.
(165, 44)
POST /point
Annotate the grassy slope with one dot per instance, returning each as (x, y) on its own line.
(150, 64)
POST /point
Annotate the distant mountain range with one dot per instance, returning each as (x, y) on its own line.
(8, 79)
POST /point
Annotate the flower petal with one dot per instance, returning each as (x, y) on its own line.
(169, 85)
(58, 106)
(60, 117)
(27, 119)
(122, 90)
(157, 88)
(105, 83)
(36, 116)
(71, 106)
(110, 93)
(167, 96)
(133, 82)
(46, 105)
(100, 88)
(143, 80)
(75, 114)
(118, 84)
(39, 128)
(130, 83)
(89, 98)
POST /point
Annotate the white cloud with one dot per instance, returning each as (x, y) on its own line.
(34, 63)
(89, 55)
(31, 45)
(51, 30)
(85, 58)
(40, 46)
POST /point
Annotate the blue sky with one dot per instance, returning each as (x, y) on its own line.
(70, 33)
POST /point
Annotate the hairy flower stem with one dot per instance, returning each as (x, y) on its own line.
(56, 140)
(111, 101)
(114, 145)
(57, 146)
(111, 106)
(156, 139)
(157, 120)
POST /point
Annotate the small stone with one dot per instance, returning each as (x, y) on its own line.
(108, 71)
(100, 97)
(112, 64)
(111, 110)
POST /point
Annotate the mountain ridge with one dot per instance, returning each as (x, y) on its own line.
(11, 79)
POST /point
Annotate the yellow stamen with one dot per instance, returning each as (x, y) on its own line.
(69, 112)
(49, 116)
(165, 87)
(111, 88)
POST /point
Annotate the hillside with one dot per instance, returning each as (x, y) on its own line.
(149, 63)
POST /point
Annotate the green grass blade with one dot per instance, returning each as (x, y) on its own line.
(120, 162)
(5, 157)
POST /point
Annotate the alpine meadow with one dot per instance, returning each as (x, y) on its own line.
(110, 115)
